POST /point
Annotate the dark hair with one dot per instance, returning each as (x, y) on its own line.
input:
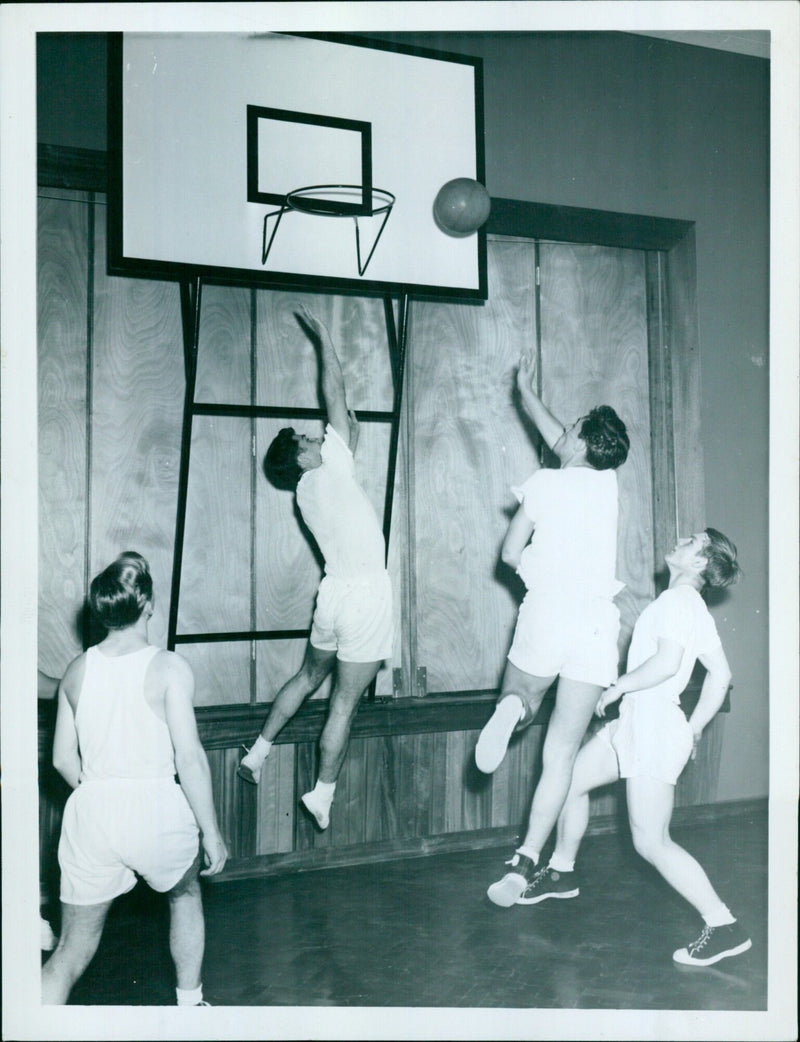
(120, 592)
(280, 463)
(606, 438)
(722, 568)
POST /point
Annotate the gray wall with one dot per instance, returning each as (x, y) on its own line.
(615, 121)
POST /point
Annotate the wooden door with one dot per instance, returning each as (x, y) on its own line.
(472, 442)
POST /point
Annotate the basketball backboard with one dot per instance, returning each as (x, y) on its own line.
(213, 135)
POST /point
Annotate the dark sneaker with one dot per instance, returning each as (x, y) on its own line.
(547, 882)
(713, 944)
(506, 891)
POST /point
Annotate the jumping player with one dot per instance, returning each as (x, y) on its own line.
(352, 623)
(125, 726)
(568, 624)
(651, 742)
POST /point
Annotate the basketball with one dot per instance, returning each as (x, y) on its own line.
(461, 206)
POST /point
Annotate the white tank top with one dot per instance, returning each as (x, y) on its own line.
(119, 735)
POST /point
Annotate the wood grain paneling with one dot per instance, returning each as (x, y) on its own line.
(216, 574)
(287, 363)
(470, 446)
(224, 348)
(63, 256)
(137, 404)
(221, 671)
(685, 355)
(595, 351)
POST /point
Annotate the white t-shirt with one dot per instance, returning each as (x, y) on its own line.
(679, 614)
(573, 549)
(339, 514)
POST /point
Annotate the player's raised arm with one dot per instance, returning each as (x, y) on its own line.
(333, 386)
(550, 428)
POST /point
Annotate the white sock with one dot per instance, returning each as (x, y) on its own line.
(719, 916)
(190, 998)
(260, 750)
(560, 864)
(529, 852)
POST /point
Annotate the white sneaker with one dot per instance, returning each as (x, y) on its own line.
(316, 808)
(495, 736)
(508, 890)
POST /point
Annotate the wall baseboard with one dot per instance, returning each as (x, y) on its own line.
(455, 842)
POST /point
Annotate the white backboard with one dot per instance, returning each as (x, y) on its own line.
(209, 133)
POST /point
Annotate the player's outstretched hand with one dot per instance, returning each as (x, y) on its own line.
(610, 695)
(310, 323)
(215, 854)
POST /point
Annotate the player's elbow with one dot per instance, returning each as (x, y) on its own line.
(510, 556)
(722, 679)
(189, 758)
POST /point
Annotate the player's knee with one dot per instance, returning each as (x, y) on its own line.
(646, 844)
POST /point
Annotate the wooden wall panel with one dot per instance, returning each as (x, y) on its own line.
(216, 573)
(223, 348)
(221, 671)
(595, 351)
(62, 316)
(685, 356)
(287, 364)
(470, 447)
(137, 405)
(277, 802)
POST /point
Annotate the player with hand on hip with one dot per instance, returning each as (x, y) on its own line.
(651, 742)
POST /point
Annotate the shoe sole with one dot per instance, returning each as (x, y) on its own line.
(689, 961)
(246, 774)
(495, 735)
(499, 897)
(544, 897)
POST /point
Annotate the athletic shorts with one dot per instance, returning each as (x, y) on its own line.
(652, 738)
(118, 828)
(353, 617)
(564, 637)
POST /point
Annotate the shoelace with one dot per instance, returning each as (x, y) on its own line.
(701, 940)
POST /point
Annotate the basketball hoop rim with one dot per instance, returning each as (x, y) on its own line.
(296, 201)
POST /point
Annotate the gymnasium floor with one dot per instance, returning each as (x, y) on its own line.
(421, 932)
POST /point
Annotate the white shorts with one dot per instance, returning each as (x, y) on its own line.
(652, 738)
(568, 638)
(353, 617)
(117, 828)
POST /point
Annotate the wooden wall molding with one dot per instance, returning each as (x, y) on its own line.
(453, 842)
(576, 224)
